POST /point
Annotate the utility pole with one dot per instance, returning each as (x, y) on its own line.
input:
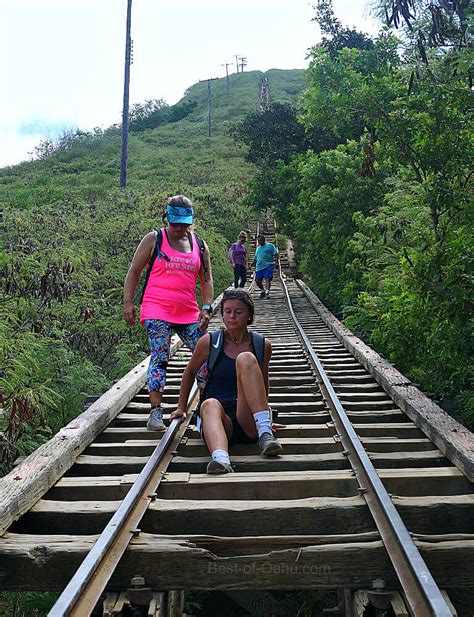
(243, 62)
(236, 56)
(227, 76)
(264, 94)
(126, 97)
(209, 79)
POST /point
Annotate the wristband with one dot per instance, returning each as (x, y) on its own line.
(207, 307)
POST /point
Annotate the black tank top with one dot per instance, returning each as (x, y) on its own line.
(223, 384)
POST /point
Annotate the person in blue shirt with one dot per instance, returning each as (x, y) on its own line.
(264, 263)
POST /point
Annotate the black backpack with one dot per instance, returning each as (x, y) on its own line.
(157, 252)
(216, 345)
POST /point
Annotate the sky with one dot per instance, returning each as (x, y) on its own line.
(62, 61)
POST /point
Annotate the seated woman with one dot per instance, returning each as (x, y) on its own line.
(234, 407)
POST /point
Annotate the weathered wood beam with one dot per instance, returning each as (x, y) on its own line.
(205, 563)
(423, 515)
(302, 462)
(293, 485)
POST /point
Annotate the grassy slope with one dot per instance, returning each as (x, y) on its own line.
(65, 212)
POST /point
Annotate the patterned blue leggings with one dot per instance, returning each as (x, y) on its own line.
(159, 334)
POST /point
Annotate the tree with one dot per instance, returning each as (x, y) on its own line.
(337, 37)
(276, 134)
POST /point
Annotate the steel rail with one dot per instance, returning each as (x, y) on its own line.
(86, 586)
(422, 593)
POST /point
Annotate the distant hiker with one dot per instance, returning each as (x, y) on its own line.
(264, 264)
(237, 255)
(175, 258)
(234, 407)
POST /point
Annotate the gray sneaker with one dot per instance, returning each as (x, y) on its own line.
(216, 467)
(269, 445)
(262, 293)
(155, 421)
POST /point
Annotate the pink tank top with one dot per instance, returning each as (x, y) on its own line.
(170, 294)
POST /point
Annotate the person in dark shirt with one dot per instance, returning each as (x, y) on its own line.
(237, 256)
(234, 408)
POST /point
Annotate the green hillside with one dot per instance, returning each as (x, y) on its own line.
(70, 233)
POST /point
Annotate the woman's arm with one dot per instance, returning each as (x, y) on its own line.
(200, 355)
(140, 259)
(207, 288)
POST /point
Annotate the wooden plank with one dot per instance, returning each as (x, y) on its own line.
(325, 515)
(292, 485)
(144, 447)
(301, 462)
(398, 605)
(423, 515)
(109, 457)
(360, 601)
(192, 563)
(157, 606)
(175, 603)
(295, 462)
(453, 439)
(108, 604)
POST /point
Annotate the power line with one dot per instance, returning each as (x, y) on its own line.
(227, 64)
(126, 97)
(264, 94)
(209, 79)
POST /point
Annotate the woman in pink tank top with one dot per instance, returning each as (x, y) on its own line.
(169, 301)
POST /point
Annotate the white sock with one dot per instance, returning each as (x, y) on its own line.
(263, 422)
(221, 456)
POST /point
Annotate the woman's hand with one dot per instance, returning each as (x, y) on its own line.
(178, 414)
(129, 314)
(204, 317)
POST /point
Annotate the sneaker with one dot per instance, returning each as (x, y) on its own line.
(217, 467)
(155, 421)
(269, 445)
(262, 293)
(267, 293)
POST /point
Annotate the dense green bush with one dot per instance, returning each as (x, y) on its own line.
(381, 221)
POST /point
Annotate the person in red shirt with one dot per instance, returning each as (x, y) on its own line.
(169, 302)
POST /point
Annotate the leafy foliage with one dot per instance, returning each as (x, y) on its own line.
(275, 134)
(381, 221)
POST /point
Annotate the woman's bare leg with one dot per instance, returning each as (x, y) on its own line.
(251, 393)
(253, 413)
(217, 426)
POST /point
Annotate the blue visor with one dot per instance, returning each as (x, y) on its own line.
(180, 214)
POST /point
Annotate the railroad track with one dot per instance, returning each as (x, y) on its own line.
(300, 521)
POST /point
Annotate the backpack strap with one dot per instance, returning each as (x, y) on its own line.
(258, 342)
(216, 343)
(202, 248)
(156, 252)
